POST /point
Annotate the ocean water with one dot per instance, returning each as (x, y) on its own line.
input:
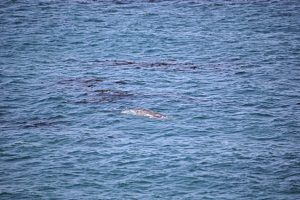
(226, 73)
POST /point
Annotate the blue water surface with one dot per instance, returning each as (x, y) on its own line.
(226, 73)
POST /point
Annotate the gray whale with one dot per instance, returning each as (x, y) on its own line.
(144, 113)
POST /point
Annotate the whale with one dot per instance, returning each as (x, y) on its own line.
(144, 113)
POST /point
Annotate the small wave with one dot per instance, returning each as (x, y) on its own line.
(261, 114)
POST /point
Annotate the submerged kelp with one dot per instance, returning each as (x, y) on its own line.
(93, 89)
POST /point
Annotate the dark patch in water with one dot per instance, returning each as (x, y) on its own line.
(84, 81)
(248, 104)
(257, 114)
(123, 62)
(42, 123)
(240, 73)
(111, 92)
(85, 89)
(121, 82)
(165, 65)
(105, 95)
(108, 95)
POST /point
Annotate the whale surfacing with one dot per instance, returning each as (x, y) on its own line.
(144, 113)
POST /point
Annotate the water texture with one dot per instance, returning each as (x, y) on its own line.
(225, 73)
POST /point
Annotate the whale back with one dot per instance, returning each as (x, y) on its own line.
(144, 113)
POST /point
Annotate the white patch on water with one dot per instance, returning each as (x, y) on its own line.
(144, 113)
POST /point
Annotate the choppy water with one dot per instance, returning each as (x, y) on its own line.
(226, 73)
